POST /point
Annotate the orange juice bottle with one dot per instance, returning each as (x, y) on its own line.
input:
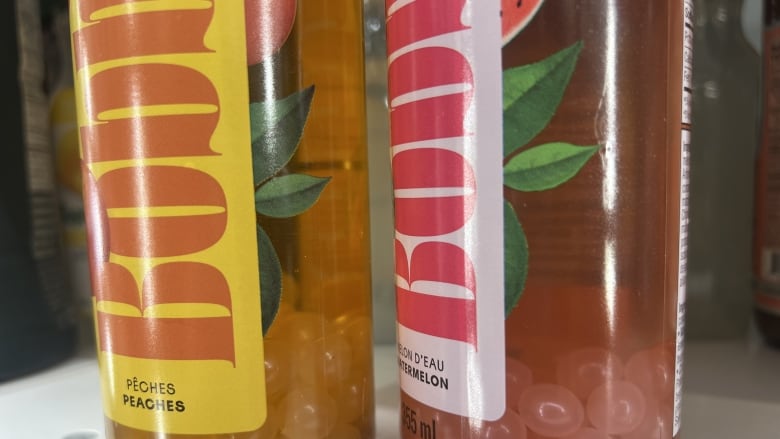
(223, 150)
(540, 165)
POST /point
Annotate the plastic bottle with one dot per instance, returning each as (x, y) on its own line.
(726, 89)
(36, 315)
(767, 241)
(380, 180)
(226, 188)
(587, 178)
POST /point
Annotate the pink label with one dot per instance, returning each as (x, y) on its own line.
(446, 134)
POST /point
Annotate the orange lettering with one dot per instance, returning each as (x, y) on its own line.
(148, 211)
(146, 33)
(89, 7)
(169, 135)
(195, 338)
(150, 236)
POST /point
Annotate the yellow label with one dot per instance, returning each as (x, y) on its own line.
(163, 112)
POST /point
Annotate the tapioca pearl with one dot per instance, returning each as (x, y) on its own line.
(656, 425)
(327, 360)
(277, 367)
(344, 431)
(588, 433)
(300, 327)
(551, 410)
(518, 378)
(309, 413)
(509, 426)
(356, 327)
(354, 398)
(585, 369)
(616, 407)
(653, 371)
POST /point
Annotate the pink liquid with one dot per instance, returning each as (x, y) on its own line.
(591, 342)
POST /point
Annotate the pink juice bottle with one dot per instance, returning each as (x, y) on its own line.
(540, 166)
(767, 240)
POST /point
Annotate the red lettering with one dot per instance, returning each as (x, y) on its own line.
(145, 33)
(401, 261)
(436, 117)
(149, 236)
(447, 317)
(431, 90)
(422, 19)
(134, 137)
(419, 214)
(443, 262)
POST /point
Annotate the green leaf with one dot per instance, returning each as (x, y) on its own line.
(276, 128)
(532, 93)
(289, 195)
(515, 259)
(546, 166)
(270, 279)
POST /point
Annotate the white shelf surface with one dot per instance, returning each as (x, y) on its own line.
(732, 391)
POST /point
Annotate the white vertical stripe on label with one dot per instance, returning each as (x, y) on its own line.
(681, 290)
(451, 351)
(687, 80)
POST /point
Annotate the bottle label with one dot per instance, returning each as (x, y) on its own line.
(767, 258)
(168, 188)
(685, 155)
(444, 63)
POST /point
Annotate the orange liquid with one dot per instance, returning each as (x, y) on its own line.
(599, 305)
(318, 351)
(328, 310)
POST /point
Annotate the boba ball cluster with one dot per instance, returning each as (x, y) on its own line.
(318, 375)
(595, 394)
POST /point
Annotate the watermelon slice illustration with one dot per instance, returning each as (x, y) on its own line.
(515, 15)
